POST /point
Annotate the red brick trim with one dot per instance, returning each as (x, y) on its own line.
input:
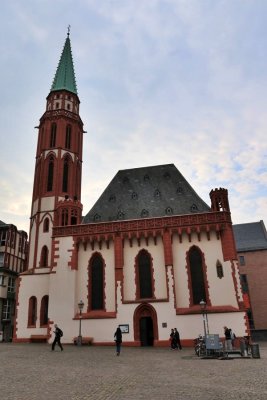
(210, 310)
(98, 314)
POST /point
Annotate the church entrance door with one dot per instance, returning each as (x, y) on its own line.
(145, 325)
(146, 331)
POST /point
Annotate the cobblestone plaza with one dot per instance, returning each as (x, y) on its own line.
(33, 371)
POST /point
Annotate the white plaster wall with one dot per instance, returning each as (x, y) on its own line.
(62, 301)
(31, 285)
(221, 291)
(32, 244)
(157, 254)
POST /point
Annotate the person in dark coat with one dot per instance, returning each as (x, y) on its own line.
(58, 334)
(118, 340)
(177, 339)
(228, 339)
(173, 340)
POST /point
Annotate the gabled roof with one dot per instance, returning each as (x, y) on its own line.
(146, 192)
(65, 76)
(250, 236)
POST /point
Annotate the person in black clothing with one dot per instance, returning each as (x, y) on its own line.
(58, 334)
(173, 340)
(118, 340)
(177, 339)
(228, 340)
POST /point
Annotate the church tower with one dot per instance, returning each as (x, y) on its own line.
(58, 169)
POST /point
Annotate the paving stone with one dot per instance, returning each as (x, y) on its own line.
(34, 372)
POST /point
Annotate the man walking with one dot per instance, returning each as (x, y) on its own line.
(58, 335)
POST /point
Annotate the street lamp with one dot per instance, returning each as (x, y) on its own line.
(79, 339)
(203, 305)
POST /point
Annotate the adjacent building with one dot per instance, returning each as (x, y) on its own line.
(144, 257)
(251, 243)
(13, 261)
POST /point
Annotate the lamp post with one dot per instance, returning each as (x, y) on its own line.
(203, 305)
(79, 339)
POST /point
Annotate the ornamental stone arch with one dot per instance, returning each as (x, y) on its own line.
(145, 323)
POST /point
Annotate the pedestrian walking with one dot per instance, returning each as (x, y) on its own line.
(177, 339)
(118, 340)
(58, 335)
(173, 340)
(228, 339)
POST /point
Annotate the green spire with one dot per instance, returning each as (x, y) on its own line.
(65, 76)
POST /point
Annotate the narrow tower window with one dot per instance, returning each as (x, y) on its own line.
(68, 137)
(65, 175)
(53, 135)
(44, 257)
(46, 225)
(50, 176)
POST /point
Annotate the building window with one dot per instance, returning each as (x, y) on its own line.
(32, 311)
(64, 217)
(68, 137)
(197, 275)
(242, 260)
(96, 281)
(3, 238)
(65, 175)
(50, 175)
(244, 283)
(11, 284)
(219, 269)
(73, 217)
(46, 225)
(6, 309)
(144, 275)
(53, 135)
(2, 280)
(2, 259)
(44, 311)
(44, 257)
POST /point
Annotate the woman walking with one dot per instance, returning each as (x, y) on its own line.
(118, 340)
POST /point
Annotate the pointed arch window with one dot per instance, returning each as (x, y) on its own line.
(44, 257)
(144, 275)
(32, 312)
(46, 225)
(50, 175)
(65, 175)
(74, 217)
(68, 137)
(96, 283)
(53, 135)
(44, 311)
(197, 278)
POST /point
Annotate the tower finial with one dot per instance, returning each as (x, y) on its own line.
(68, 30)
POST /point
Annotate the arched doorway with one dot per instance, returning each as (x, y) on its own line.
(145, 325)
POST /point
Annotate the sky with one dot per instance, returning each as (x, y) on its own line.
(160, 82)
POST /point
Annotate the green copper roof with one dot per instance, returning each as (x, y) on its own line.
(65, 76)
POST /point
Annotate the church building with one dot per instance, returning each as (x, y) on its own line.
(149, 256)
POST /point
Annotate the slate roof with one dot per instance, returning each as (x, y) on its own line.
(146, 192)
(65, 76)
(250, 236)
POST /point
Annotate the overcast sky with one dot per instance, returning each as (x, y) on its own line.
(160, 82)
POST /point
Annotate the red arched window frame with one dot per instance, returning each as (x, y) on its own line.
(32, 312)
(44, 311)
(144, 276)
(44, 257)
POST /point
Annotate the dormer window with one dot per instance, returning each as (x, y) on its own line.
(144, 213)
(134, 196)
(194, 208)
(168, 211)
